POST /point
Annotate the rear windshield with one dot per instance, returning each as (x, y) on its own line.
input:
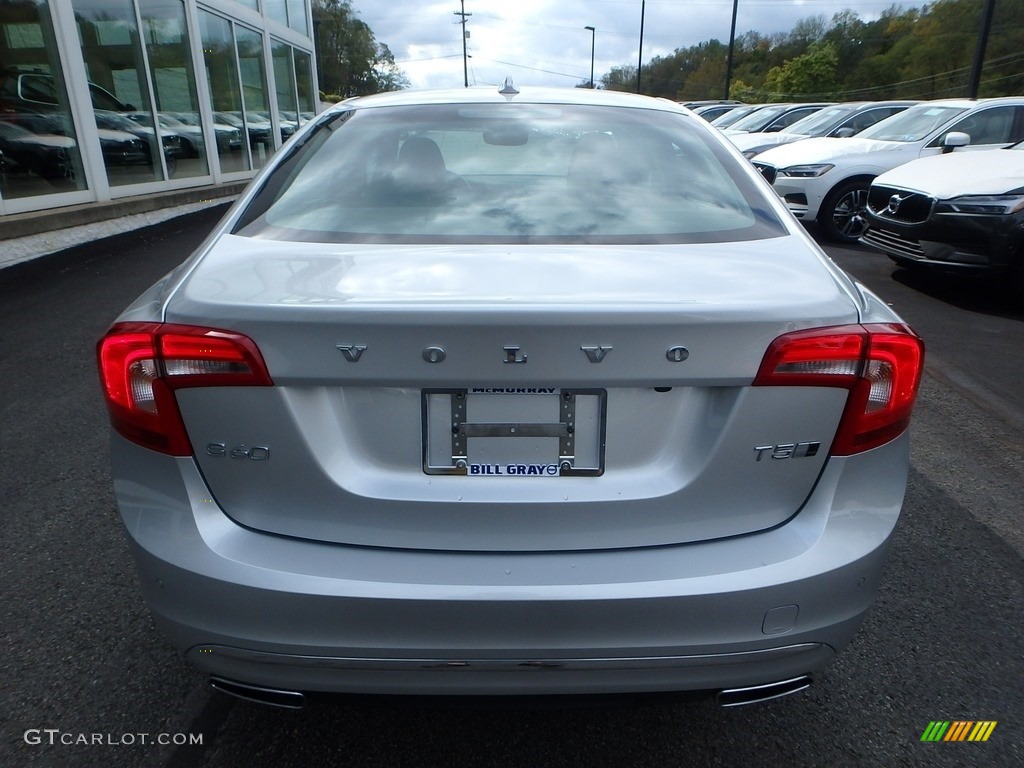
(509, 173)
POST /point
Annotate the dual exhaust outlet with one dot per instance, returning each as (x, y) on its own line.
(729, 697)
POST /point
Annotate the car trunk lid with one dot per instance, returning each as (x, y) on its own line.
(597, 396)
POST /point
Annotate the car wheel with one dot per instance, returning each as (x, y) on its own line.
(841, 217)
(60, 169)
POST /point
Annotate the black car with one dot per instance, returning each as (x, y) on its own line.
(119, 147)
(260, 130)
(51, 156)
(956, 213)
(36, 90)
(114, 121)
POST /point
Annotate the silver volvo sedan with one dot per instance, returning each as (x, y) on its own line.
(495, 392)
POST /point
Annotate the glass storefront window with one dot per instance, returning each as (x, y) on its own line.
(139, 144)
(276, 10)
(109, 36)
(136, 61)
(39, 149)
(297, 16)
(291, 13)
(225, 91)
(255, 96)
(284, 86)
(304, 86)
(174, 87)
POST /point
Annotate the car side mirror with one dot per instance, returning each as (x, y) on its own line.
(955, 139)
(844, 133)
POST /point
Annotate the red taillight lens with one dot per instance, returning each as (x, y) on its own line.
(142, 363)
(881, 365)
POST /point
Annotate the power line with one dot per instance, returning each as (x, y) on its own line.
(428, 58)
(537, 69)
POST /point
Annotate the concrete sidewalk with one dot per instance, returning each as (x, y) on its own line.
(30, 236)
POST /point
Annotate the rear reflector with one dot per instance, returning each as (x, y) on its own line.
(141, 364)
(879, 364)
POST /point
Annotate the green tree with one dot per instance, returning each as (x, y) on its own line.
(812, 75)
(620, 79)
(349, 59)
(742, 92)
(940, 50)
(922, 53)
(1004, 63)
(704, 71)
(665, 75)
(809, 31)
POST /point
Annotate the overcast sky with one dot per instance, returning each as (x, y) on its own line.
(543, 42)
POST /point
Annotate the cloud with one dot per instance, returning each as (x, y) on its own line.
(543, 42)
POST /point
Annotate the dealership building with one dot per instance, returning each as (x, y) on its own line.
(104, 101)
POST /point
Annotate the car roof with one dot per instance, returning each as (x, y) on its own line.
(881, 103)
(527, 94)
(968, 103)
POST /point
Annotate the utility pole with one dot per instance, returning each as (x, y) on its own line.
(732, 45)
(465, 64)
(979, 53)
(640, 57)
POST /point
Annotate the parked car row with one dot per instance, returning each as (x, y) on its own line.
(893, 175)
(840, 120)
(46, 143)
(903, 177)
(770, 118)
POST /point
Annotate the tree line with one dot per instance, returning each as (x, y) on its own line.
(349, 59)
(908, 53)
(915, 53)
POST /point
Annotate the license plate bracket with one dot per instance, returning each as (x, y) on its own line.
(520, 431)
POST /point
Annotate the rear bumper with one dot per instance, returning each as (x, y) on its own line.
(291, 614)
(525, 676)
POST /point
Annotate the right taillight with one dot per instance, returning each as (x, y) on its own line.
(879, 364)
(141, 364)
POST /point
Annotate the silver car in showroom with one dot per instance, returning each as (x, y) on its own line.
(483, 392)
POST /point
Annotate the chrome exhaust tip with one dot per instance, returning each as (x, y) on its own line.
(273, 697)
(755, 694)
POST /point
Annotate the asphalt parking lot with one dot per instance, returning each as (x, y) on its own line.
(83, 660)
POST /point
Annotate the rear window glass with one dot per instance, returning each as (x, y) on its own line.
(509, 173)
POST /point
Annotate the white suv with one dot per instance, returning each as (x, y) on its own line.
(826, 179)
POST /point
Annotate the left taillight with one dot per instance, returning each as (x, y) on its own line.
(141, 364)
